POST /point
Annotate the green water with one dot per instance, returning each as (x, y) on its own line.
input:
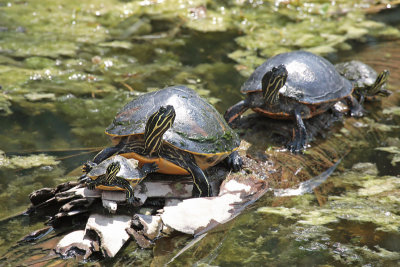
(66, 67)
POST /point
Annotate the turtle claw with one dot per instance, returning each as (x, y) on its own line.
(90, 186)
(88, 166)
(357, 111)
(299, 142)
(296, 147)
(234, 161)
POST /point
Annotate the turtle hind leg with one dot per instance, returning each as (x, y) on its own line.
(233, 114)
(234, 161)
(299, 141)
(124, 184)
(356, 110)
(201, 185)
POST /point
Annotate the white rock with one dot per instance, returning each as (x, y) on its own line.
(75, 240)
(115, 196)
(194, 215)
(111, 206)
(111, 231)
(151, 225)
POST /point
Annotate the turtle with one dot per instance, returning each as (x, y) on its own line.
(294, 85)
(118, 173)
(178, 130)
(366, 81)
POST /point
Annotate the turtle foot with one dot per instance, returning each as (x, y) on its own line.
(357, 111)
(234, 161)
(90, 186)
(88, 166)
(299, 142)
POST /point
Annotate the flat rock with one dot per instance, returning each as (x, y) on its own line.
(195, 215)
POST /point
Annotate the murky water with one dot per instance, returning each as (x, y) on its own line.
(66, 67)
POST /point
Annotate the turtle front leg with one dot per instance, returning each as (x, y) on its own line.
(299, 141)
(356, 110)
(102, 155)
(124, 184)
(233, 114)
(91, 184)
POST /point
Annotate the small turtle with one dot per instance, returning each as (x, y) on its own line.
(366, 81)
(177, 129)
(118, 173)
(296, 85)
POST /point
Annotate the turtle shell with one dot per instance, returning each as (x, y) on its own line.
(198, 127)
(128, 168)
(311, 78)
(360, 74)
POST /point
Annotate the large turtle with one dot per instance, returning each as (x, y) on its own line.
(296, 85)
(178, 130)
(118, 173)
(366, 81)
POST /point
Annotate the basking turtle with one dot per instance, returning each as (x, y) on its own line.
(118, 173)
(177, 129)
(296, 85)
(365, 80)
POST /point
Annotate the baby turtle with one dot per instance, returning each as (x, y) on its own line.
(366, 81)
(118, 173)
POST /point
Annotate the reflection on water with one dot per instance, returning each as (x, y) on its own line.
(63, 92)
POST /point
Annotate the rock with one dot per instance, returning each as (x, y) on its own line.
(111, 206)
(75, 244)
(110, 231)
(196, 215)
(176, 188)
(145, 229)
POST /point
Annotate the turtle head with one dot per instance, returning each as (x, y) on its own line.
(271, 82)
(376, 88)
(112, 171)
(158, 123)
